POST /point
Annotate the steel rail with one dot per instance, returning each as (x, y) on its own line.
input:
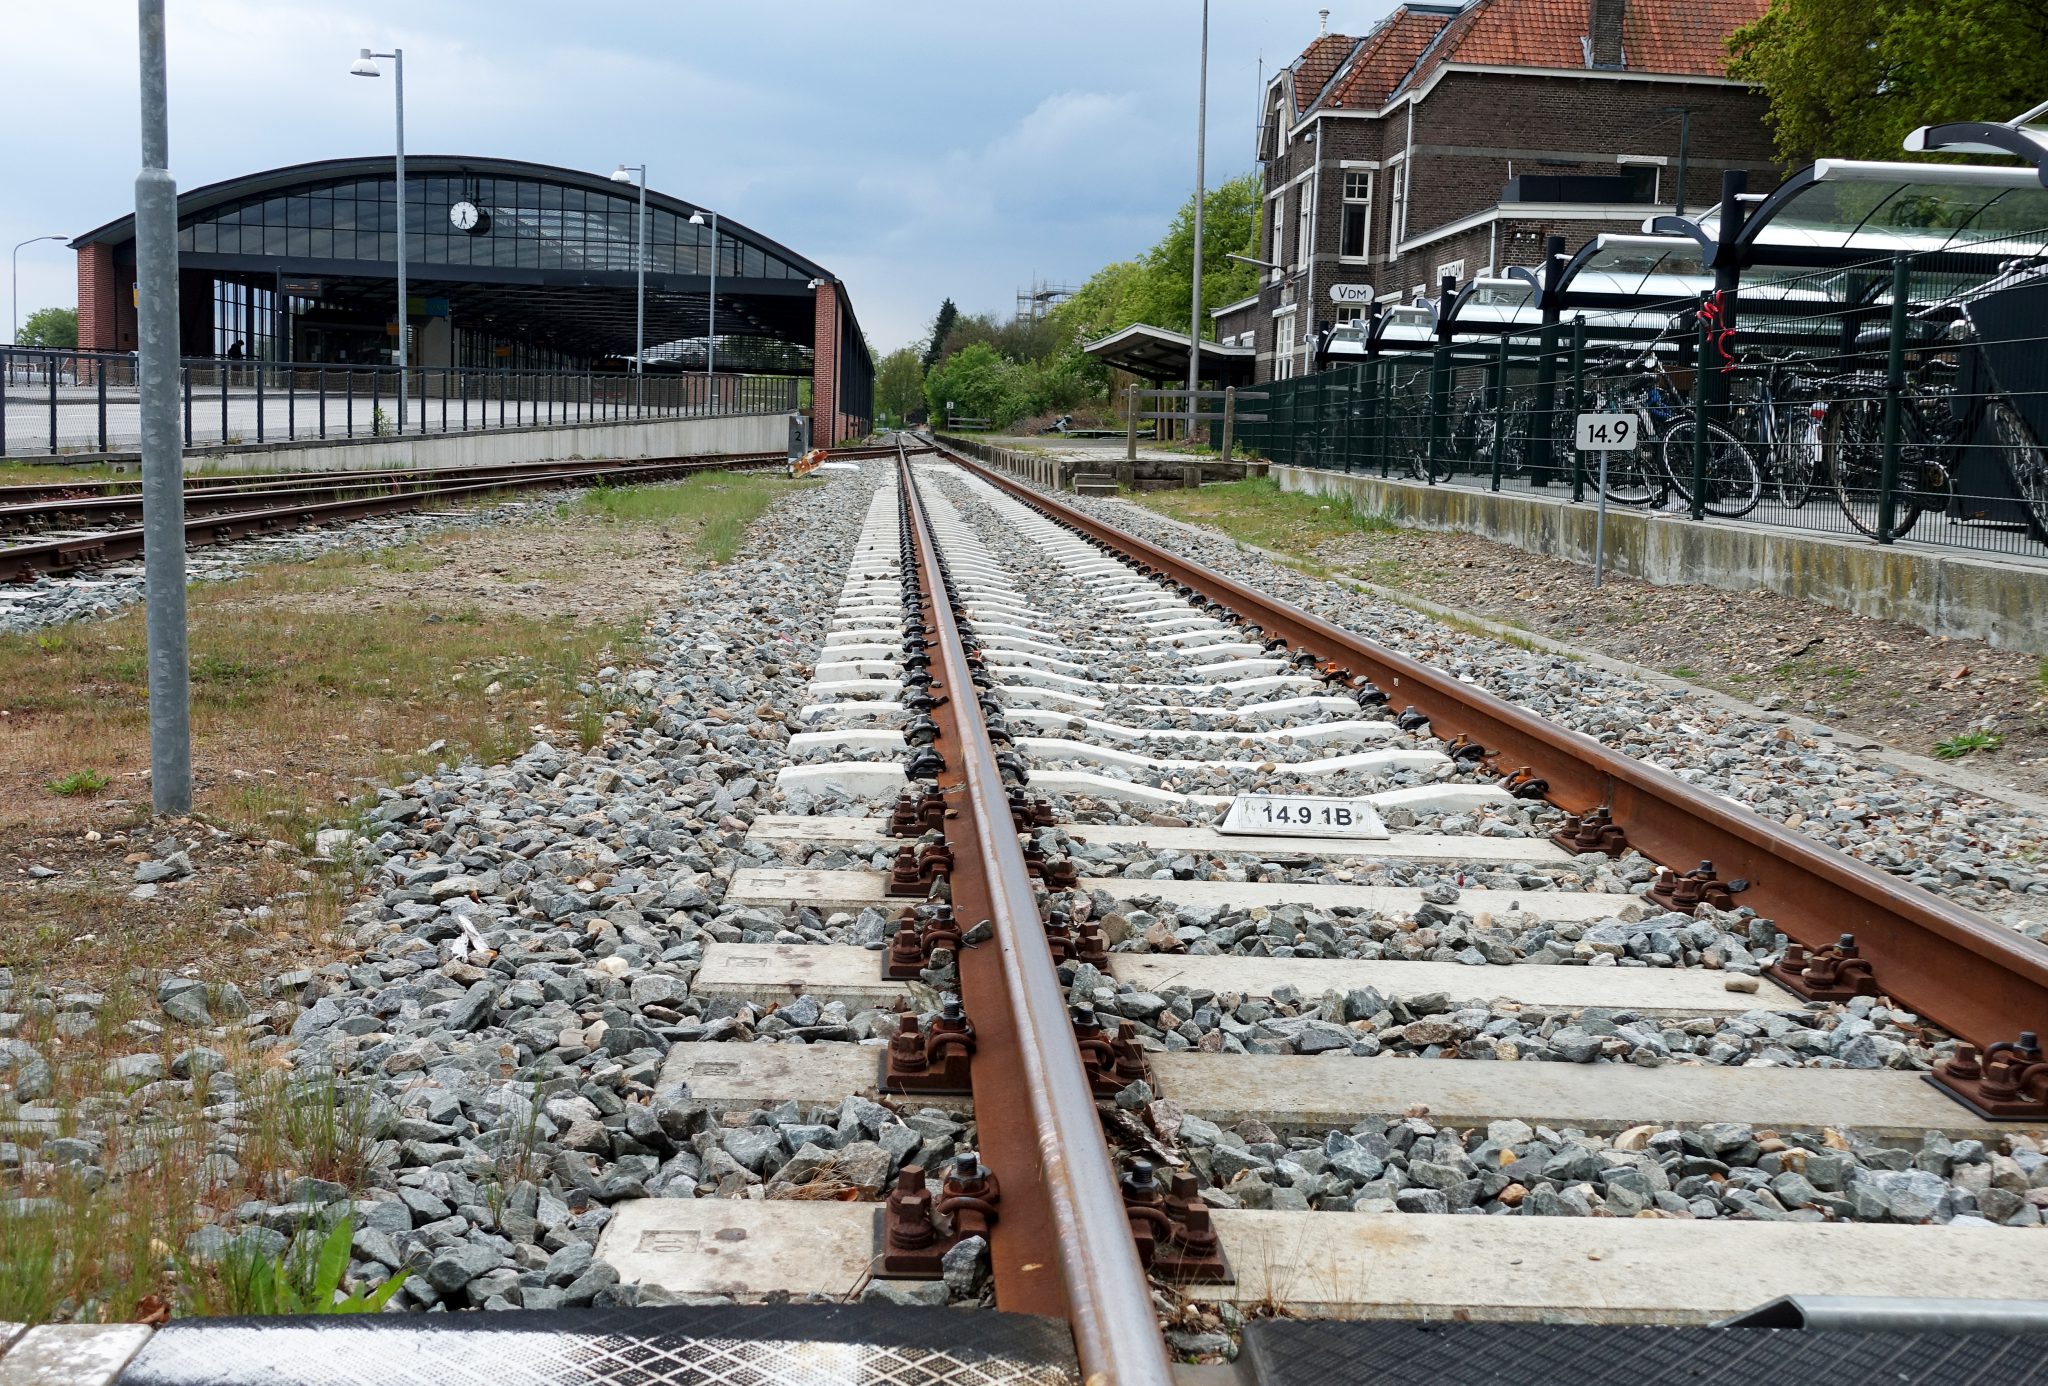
(1976, 979)
(128, 505)
(31, 492)
(25, 562)
(1062, 1244)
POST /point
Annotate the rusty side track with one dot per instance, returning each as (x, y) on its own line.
(220, 514)
(130, 486)
(1060, 1243)
(1979, 980)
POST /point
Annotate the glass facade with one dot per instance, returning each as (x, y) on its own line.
(527, 223)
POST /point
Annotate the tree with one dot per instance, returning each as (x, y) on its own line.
(899, 384)
(979, 383)
(1852, 80)
(50, 327)
(942, 328)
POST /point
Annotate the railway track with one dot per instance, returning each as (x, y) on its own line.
(1213, 1075)
(990, 1001)
(86, 525)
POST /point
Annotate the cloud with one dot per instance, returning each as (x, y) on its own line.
(920, 148)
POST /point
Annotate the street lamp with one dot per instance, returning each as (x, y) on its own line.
(14, 281)
(364, 66)
(711, 329)
(1201, 149)
(624, 174)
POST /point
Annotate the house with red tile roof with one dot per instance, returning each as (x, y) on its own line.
(1453, 137)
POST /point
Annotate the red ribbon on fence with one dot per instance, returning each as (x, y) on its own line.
(1714, 312)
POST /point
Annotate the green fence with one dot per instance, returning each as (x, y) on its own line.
(1903, 398)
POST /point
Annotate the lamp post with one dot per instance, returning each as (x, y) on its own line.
(1201, 148)
(711, 329)
(624, 174)
(365, 67)
(14, 282)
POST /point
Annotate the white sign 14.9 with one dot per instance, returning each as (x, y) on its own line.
(1609, 432)
(1302, 815)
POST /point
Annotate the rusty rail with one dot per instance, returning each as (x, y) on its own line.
(273, 511)
(1976, 979)
(1063, 1243)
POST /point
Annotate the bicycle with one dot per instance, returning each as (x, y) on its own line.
(1663, 461)
(1942, 340)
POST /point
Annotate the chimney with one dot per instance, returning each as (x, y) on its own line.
(1324, 32)
(1603, 32)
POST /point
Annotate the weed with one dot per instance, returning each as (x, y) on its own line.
(1681, 672)
(302, 1279)
(86, 781)
(1963, 743)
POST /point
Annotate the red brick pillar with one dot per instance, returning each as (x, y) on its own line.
(98, 300)
(826, 423)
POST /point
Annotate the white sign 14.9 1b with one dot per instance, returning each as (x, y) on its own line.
(1609, 432)
(1302, 815)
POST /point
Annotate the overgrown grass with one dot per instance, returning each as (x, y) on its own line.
(292, 709)
(1256, 511)
(76, 1248)
(720, 504)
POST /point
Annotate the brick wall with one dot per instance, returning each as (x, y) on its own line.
(827, 423)
(1472, 132)
(98, 302)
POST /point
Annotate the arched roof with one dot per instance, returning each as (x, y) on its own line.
(198, 201)
(551, 260)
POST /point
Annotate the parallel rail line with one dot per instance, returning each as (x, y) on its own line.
(276, 503)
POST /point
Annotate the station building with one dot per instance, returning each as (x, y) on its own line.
(508, 264)
(1452, 138)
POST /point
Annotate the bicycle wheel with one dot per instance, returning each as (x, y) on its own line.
(1632, 477)
(2026, 461)
(1733, 484)
(1798, 462)
(1852, 446)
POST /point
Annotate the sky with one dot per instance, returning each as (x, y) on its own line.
(919, 149)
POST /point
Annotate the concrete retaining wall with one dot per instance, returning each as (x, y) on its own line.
(494, 447)
(2003, 602)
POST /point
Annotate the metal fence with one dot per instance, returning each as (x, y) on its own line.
(81, 401)
(1903, 398)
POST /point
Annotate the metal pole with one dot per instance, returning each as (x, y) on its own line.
(1894, 385)
(640, 294)
(163, 482)
(404, 300)
(1600, 523)
(1229, 420)
(1699, 417)
(711, 330)
(1201, 173)
(1131, 423)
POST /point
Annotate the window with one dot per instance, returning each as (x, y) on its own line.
(1397, 231)
(1350, 312)
(1304, 238)
(1283, 347)
(1453, 269)
(1279, 255)
(1355, 240)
